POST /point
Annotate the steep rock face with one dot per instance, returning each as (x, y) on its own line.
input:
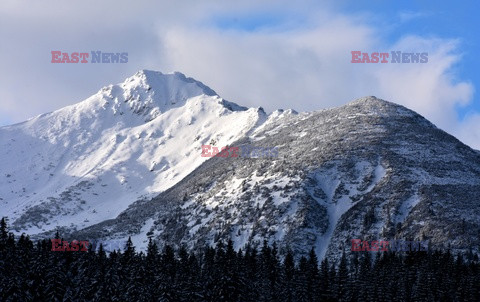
(368, 170)
(88, 162)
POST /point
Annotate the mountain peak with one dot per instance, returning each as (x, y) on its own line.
(150, 92)
(170, 87)
(176, 79)
(372, 102)
(371, 105)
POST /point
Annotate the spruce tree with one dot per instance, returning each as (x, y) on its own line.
(288, 289)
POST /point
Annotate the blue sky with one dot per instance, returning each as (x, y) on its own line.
(273, 54)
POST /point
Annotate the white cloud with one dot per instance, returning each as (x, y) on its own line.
(430, 88)
(302, 65)
(310, 69)
(306, 69)
(468, 131)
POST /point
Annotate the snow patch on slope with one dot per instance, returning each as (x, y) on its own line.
(340, 195)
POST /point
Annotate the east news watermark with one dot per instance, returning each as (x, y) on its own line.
(359, 245)
(96, 56)
(59, 245)
(391, 57)
(247, 151)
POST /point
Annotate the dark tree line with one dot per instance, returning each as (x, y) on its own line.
(32, 272)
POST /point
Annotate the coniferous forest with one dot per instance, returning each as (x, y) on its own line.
(31, 271)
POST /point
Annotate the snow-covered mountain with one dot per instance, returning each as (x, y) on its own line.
(368, 170)
(126, 162)
(86, 163)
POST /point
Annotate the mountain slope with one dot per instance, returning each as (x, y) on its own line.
(86, 163)
(368, 170)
